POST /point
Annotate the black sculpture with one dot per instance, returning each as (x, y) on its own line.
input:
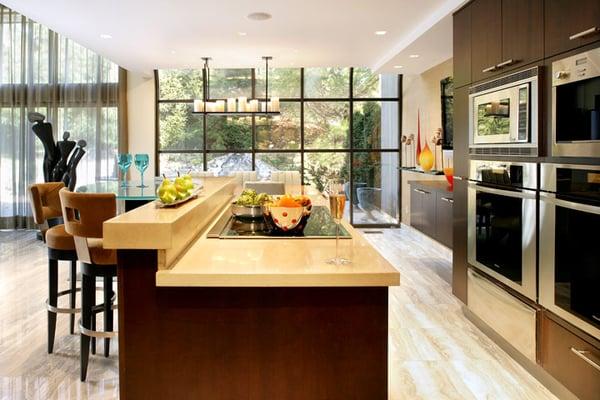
(43, 130)
(65, 147)
(60, 159)
(70, 176)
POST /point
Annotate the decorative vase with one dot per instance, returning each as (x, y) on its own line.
(418, 158)
(426, 158)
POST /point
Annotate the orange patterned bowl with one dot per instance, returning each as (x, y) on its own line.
(286, 220)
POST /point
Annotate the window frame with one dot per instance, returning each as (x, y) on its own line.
(350, 150)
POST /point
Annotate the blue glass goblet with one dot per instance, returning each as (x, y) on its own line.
(141, 163)
(124, 162)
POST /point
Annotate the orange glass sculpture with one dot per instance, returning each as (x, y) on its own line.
(449, 173)
(426, 158)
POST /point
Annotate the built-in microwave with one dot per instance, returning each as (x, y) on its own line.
(503, 115)
(569, 243)
(576, 105)
(501, 233)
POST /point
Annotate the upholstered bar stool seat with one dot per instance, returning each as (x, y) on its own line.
(99, 255)
(47, 213)
(58, 238)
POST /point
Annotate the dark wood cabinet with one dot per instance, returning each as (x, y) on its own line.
(459, 240)
(431, 210)
(462, 47)
(444, 218)
(570, 24)
(461, 131)
(505, 35)
(486, 38)
(570, 358)
(422, 210)
(522, 32)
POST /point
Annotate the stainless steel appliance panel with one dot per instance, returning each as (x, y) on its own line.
(576, 105)
(501, 233)
(569, 248)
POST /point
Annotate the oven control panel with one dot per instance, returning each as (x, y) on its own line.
(576, 68)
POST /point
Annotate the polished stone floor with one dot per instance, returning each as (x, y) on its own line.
(435, 352)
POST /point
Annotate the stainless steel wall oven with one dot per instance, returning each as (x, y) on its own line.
(502, 206)
(576, 105)
(569, 244)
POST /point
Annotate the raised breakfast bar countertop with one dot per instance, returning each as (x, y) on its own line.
(188, 258)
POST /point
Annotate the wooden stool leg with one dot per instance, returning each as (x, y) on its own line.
(108, 312)
(72, 295)
(52, 300)
(94, 325)
(88, 293)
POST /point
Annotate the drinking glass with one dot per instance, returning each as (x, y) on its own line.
(124, 162)
(141, 163)
(337, 204)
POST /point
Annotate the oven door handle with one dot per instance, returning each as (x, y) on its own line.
(524, 194)
(569, 204)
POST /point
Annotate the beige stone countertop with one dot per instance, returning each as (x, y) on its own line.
(211, 262)
(151, 227)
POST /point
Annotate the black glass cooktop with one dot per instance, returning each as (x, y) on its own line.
(320, 225)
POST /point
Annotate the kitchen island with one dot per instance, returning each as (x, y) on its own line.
(210, 318)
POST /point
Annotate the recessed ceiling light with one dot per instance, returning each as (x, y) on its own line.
(259, 16)
(173, 52)
(398, 66)
(380, 33)
(242, 33)
(105, 36)
(414, 56)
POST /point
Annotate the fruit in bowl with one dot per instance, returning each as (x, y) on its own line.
(181, 188)
(287, 214)
(249, 204)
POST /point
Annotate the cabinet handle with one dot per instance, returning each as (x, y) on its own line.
(581, 34)
(582, 354)
(507, 63)
(490, 69)
(420, 191)
(447, 200)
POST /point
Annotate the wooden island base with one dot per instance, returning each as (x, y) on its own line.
(248, 343)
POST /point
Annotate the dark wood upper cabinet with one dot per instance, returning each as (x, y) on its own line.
(522, 32)
(462, 47)
(570, 24)
(486, 38)
(505, 35)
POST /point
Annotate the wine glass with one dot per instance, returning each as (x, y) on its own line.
(337, 205)
(141, 163)
(124, 162)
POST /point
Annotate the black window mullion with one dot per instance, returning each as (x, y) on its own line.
(351, 146)
(302, 126)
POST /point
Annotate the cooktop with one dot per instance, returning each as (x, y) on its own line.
(320, 225)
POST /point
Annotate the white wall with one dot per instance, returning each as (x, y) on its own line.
(140, 108)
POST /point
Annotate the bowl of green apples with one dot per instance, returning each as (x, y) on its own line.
(179, 190)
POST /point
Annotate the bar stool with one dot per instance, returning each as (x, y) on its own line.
(84, 214)
(45, 204)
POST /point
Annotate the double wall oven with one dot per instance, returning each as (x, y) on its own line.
(576, 105)
(569, 244)
(502, 208)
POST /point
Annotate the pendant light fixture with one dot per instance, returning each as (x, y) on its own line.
(232, 106)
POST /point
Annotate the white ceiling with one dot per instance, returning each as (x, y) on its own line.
(149, 34)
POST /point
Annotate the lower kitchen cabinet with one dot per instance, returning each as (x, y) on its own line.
(431, 210)
(571, 359)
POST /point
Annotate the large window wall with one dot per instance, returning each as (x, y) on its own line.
(334, 122)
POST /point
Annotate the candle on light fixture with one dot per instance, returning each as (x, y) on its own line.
(242, 104)
(274, 104)
(254, 105)
(210, 106)
(265, 106)
(198, 106)
(220, 106)
(231, 104)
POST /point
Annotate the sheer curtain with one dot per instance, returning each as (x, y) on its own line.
(76, 89)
